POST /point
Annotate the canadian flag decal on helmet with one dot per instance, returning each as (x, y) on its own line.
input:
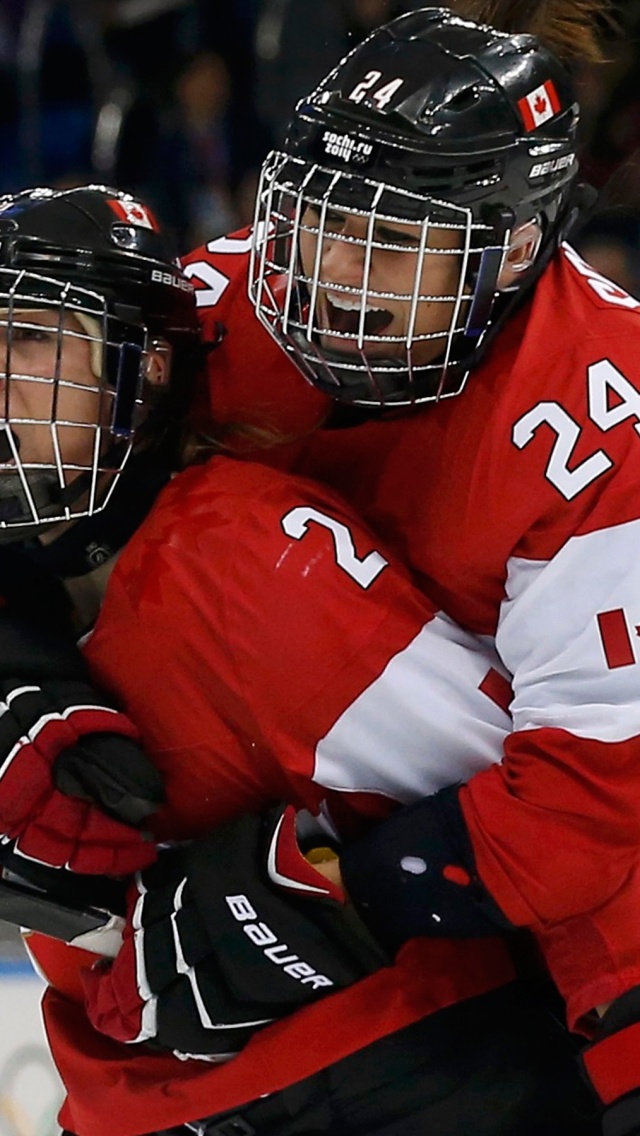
(134, 213)
(539, 106)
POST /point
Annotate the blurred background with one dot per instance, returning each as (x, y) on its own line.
(179, 100)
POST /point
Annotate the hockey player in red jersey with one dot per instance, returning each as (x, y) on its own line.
(496, 451)
(63, 746)
(250, 619)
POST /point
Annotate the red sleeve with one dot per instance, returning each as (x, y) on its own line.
(555, 827)
(249, 382)
(297, 657)
(316, 611)
(261, 638)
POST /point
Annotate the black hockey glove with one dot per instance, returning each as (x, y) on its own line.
(225, 935)
(415, 874)
(612, 1065)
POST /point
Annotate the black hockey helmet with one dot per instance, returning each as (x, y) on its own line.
(436, 121)
(97, 266)
(103, 240)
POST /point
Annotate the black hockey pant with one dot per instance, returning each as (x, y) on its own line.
(497, 1065)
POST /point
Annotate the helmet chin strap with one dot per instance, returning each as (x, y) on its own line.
(16, 504)
(90, 541)
(16, 507)
(42, 492)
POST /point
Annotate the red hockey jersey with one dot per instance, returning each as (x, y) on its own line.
(516, 505)
(268, 648)
(251, 387)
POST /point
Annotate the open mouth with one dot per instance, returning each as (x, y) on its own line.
(343, 314)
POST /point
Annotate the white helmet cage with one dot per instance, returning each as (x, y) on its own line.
(296, 197)
(80, 452)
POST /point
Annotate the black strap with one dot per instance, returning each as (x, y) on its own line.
(93, 540)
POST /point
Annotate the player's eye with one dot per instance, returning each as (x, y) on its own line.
(385, 236)
(26, 334)
(32, 334)
(333, 219)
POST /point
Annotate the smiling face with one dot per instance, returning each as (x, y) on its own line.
(381, 288)
(381, 295)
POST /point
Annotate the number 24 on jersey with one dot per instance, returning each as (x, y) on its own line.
(604, 380)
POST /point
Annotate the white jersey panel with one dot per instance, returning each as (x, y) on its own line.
(423, 724)
(568, 634)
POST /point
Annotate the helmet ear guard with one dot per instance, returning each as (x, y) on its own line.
(124, 366)
(118, 355)
(521, 254)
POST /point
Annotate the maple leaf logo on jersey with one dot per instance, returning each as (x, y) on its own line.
(134, 213)
(539, 105)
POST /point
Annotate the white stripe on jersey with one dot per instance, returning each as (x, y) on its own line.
(550, 640)
(423, 724)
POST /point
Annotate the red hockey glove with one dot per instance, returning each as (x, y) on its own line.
(60, 735)
(74, 784)
(223, 936)
(612, 1064)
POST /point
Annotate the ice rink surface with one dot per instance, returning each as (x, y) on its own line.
(30, 1092)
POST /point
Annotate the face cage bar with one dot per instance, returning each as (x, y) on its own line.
(285, 297)
(118, 367)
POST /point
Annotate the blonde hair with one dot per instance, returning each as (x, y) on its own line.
(232, 438)
(91, 326)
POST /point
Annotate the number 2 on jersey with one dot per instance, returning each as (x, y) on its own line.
(215, 282)
(363, 570)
